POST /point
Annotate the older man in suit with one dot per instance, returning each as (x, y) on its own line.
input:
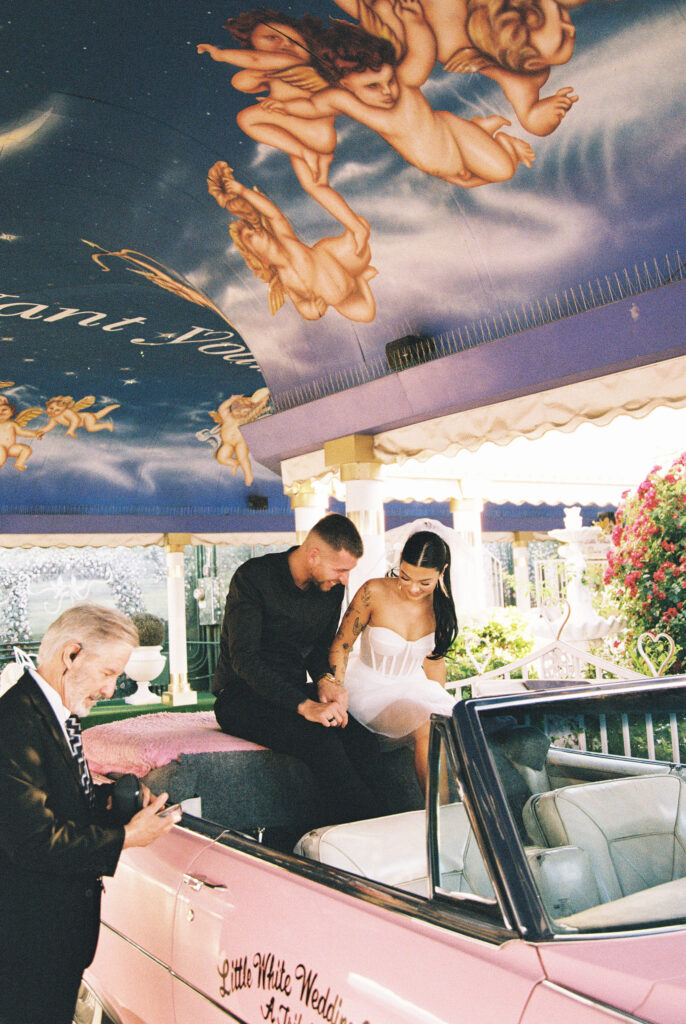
(57, 836)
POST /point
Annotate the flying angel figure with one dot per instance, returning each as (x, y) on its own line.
(12, 426)
(513, 42)
(370, 84)
(231, 415)
(314, 277)
(275, 56)
(64, 410)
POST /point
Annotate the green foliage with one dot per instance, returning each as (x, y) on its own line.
(150, 629)
(504, 638)
(646, 570)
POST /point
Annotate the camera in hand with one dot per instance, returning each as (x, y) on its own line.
(127, 798)
(169, 810)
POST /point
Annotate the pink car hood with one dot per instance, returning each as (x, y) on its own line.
(644, 975)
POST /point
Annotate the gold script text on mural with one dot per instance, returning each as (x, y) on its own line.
(209, 342)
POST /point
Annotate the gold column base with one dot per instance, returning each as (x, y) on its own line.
(179, 692)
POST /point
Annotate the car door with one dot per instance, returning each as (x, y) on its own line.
(266, 937)
(131, 973)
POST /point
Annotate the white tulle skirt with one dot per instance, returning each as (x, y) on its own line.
(394, 706)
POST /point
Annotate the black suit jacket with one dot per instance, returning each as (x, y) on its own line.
(53, 850)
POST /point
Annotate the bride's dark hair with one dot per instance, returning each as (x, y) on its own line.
(427, 549)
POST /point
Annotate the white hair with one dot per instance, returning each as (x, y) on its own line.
(89, 625)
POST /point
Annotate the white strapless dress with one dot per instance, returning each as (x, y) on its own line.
(388, 689)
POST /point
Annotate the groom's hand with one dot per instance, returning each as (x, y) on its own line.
(328, 715)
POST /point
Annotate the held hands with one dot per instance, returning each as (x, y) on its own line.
(329, 714)
(332, 692)
(146, 826)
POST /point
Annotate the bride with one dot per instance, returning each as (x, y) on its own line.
(407, 622)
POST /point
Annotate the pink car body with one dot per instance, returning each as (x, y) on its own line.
(209, 926)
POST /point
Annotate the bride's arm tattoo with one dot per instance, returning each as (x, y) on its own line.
(352, 624)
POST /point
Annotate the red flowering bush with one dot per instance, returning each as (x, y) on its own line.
(646, 567)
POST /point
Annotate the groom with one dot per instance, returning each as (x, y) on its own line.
(282, 613)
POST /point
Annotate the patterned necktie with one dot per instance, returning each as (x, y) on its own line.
(73, 725)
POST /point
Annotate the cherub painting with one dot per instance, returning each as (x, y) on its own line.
(513, 42)
(372, 85)
(233, 413)
(63, 410)
(330, 273)
(275, 53)
(12, 426)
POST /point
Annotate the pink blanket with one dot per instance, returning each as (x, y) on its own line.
(145, 742)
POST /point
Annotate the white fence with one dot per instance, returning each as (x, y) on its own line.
(638, 738)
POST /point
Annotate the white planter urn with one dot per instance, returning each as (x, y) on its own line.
(144, 665)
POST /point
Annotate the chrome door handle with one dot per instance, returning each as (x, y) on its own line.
(197, 882)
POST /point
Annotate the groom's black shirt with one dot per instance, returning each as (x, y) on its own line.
(274, 633)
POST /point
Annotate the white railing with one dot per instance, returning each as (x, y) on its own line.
(550, 583)
(494, 593)
(643, 733)
(559, 660)
(555, 660)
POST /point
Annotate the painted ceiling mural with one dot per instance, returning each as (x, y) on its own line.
(205, 206)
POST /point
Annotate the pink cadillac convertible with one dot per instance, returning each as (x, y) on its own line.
(545, 882)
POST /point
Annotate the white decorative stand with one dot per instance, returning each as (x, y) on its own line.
(567, 658)
(581, 623)
(144, 665)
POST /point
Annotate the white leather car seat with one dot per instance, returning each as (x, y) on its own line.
(392, 850)
(565, 879)
(634, 829)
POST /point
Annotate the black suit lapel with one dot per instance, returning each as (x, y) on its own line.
(43, 709)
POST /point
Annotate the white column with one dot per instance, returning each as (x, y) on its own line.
(179, 691)
(364, 507)
(309, 504)
(468, 570)
(520, 558)
(360, 473)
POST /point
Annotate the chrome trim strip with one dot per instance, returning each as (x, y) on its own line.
(596, 1004)
(628, 932)
(130, 942)
(172, 974)
(209, 999)
(603, 688)
(467, 898)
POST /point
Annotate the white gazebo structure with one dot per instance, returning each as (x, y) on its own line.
(497, 454)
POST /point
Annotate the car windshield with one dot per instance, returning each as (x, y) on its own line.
(596, 789)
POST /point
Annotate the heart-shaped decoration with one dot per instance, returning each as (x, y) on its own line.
(480, 666)
(655, 638)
